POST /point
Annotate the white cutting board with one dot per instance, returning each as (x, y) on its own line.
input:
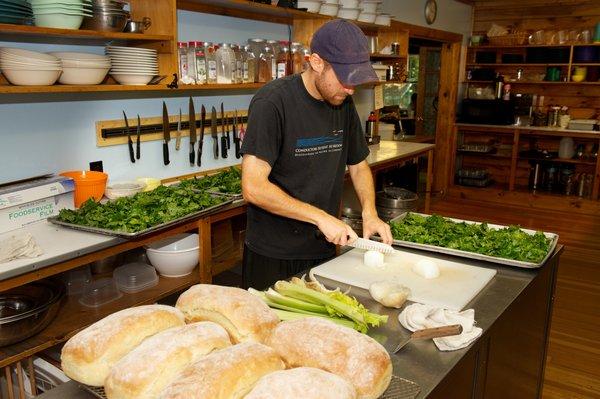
(456, 285)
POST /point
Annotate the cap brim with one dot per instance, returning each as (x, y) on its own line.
(355, 74)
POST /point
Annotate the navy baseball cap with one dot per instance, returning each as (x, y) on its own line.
(345, 47)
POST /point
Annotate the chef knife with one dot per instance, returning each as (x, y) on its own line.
(178, 135)
(166, 134)
(428, 333)
(236, 139)
(192, 118)
(201, 140)
(129, 142)
(225, 133)
(137, 141)
(213, 132)
(223, 136)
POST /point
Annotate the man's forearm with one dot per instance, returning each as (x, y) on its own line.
(362, 180)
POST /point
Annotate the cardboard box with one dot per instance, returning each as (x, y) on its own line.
(34, 201)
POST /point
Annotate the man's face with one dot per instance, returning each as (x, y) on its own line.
(330, 88)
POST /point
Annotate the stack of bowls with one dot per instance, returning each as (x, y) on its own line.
(369, 10)
(29, 68)
(348, 9)
(64, 14)
(16, 12)
(109, 15)
(82, 68)
(132, 65)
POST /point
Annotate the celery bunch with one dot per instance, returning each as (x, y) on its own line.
(298, 298)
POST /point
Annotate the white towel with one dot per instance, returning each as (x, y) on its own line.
(418, 316)
(17, 246)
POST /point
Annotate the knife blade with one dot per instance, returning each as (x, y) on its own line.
(223, 136)
(129, 142)
(428, 333)
(192, 118)
(236, 139)
(213, 132)
(178, 134)
(137, 142)
(201, 140)
(166, 134)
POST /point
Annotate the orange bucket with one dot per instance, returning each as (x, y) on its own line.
(88, 184)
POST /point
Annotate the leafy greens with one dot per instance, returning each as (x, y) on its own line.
(227, 182)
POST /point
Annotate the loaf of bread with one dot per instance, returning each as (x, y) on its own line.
(302, 382)
(229, 373)
(88, 356)
(320, 343)
(244, 316)
(145, 371)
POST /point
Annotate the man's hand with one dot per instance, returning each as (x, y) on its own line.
(336, 231)
(372, 225)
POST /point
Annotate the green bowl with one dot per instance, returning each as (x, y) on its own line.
(61, 21)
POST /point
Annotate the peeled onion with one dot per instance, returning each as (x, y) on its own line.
(389, 293)
(426, 268)
(374, 259)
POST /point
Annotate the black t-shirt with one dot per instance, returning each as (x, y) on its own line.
(308, 144)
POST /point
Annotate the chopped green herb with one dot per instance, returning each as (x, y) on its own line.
(227, 182)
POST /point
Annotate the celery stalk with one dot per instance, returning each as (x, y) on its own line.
(286, 316)
(276, 297)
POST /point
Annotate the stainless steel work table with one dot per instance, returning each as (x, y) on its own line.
(514, 312)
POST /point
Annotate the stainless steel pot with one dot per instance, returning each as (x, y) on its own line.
(394, 197)
(138, 26)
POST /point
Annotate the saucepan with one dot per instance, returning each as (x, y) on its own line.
(138, 26)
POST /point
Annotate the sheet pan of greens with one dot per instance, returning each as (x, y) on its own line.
(227, 183)
(507, 245)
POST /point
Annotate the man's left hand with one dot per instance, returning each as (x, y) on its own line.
(373, 225)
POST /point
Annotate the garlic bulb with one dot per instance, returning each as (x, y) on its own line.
(389, 293)
(373, 259)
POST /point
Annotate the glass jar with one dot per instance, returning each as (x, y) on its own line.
(297, 58)
(274, 46)
(249, 65)
(193, 47)
(306, 55)
(210, 53)
(182, 48)
(239, 63)
(200, 64)
(256, 48)
(225, 62)
(283, 59)
(265, 62)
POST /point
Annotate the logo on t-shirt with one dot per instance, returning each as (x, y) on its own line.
(320, 145)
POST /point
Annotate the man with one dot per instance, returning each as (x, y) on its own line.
(303, 130)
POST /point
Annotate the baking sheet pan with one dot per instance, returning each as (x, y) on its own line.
(473, 255)
(128, 235)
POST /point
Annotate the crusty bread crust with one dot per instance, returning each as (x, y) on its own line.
(244, 316)
(316, 342)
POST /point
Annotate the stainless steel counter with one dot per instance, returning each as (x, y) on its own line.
(499, 308)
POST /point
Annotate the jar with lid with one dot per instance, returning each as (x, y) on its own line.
(283, 59)
(567, 180)
(274, 46)
(239, 63)
(249, 65)
(225, 61)
(210, 53)
(193, 48)
(306, 55)
(265, 61)
(297, 58)
(256, 47)
(200, 64)
(182, 48)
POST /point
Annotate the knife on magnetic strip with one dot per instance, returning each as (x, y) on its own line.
(223, 134)
(213, 132)
(166, 134)
(201, 139)
(192, 118)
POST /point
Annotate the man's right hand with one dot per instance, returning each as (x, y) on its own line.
(336, 231)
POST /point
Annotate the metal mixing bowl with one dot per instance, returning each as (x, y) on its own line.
(26, 310)
(106, 22)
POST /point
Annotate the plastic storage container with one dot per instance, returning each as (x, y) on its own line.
(135, 277)
(100, 292)
(77, 280)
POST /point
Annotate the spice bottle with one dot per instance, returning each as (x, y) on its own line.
(225, 61)
(283, 59)
(200, 64)
(256, 47)
(264, 65)
(297, 57)
(249, 65)
(210, 53)
(183, 63)
(239, 63)
(274, 47)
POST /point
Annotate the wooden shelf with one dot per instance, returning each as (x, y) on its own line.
(524, 82)
(558, 160)
(389, 57)
(486, 46)
(9, 32)
(483, 154)
(73, 317)
(506, 64)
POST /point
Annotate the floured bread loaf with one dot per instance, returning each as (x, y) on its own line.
(315, 342)
(229, 373)
(88, 356)
(302, 382)
(145, 371)
(244, 316)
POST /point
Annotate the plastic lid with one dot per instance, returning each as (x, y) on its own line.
(135, 277)
(100, 292)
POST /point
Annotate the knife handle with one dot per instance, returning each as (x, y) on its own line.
(237, 148)
(223, 146)
(131, 154)
(228, 141)
(443, 331)
(199, 152)
(192, 154)
(137, 148)
(166, 153)
(216, 147)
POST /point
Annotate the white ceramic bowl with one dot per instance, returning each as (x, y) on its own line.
(174, 256)
(132, 79)
(348, 3)
(21, 67)
(22, 77)
(369, 6)
(19, 53)
(77, 56)
(68, 2)
(330, 9)
(123, 189)
(84, 64)
(367, 17)
(310, 5)
(348, 13)
(62, 21)
(82, 76)
(383, 19)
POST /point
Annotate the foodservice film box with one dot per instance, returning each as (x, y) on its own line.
(33, 201)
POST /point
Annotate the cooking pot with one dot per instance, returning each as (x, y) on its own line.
(398, 198)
